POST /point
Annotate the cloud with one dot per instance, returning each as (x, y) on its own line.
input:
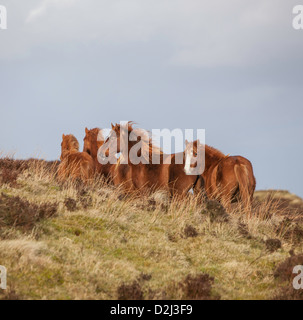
(42, 9)
(197, 33)
(37, 12)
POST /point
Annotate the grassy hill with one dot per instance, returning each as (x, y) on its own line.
(71, 241)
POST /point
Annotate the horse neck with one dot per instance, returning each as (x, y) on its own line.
(94, 149)
(130, 145)
(212, 156)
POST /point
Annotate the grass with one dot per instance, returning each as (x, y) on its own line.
(91, 243)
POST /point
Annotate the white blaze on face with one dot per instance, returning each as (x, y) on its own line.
(188, 159)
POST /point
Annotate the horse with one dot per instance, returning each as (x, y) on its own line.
(74, 164)
(228, 179)
(179, 181)
(118, 174)
(93, 140)
(164, 173)
(144, 174)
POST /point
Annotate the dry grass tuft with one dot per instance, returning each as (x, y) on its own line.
(216, 211)
(243, 230)
(198, 287)
(19, 213)
(284, 271)
(190, 231)
(289, 293)
(70, 204)
(9, 177)
(130, 292)
(9, 294)
(273, 245)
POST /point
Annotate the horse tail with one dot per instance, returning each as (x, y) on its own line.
(212, 189)
(242, 176)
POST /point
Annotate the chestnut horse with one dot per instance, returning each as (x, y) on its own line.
(74, 164)
(226, 178)
(179, 182)
(118, 173)
(93, 140)
(166, 175)
(143, 175)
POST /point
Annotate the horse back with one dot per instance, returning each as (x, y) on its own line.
(245, 163)
(227, 171)
(78, 164)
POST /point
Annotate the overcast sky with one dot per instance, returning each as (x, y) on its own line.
(234, 68)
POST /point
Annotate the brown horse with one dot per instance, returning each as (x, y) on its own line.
(164, 173)
(144, 174)
(93, 140)
(74, 164)
(226, 178)
(180, 182)
(118, 173)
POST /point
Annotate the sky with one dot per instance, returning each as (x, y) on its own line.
(233, 68)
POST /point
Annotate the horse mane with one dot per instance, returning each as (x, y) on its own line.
(214, 153)
(69, 145)
(96, 133)
(73, 144)
(148, 145)
(96, 139)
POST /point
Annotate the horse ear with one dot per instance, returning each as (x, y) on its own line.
(63, 136)
(112, 126)
(86, 130)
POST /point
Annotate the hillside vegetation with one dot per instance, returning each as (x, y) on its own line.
(72, 241)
